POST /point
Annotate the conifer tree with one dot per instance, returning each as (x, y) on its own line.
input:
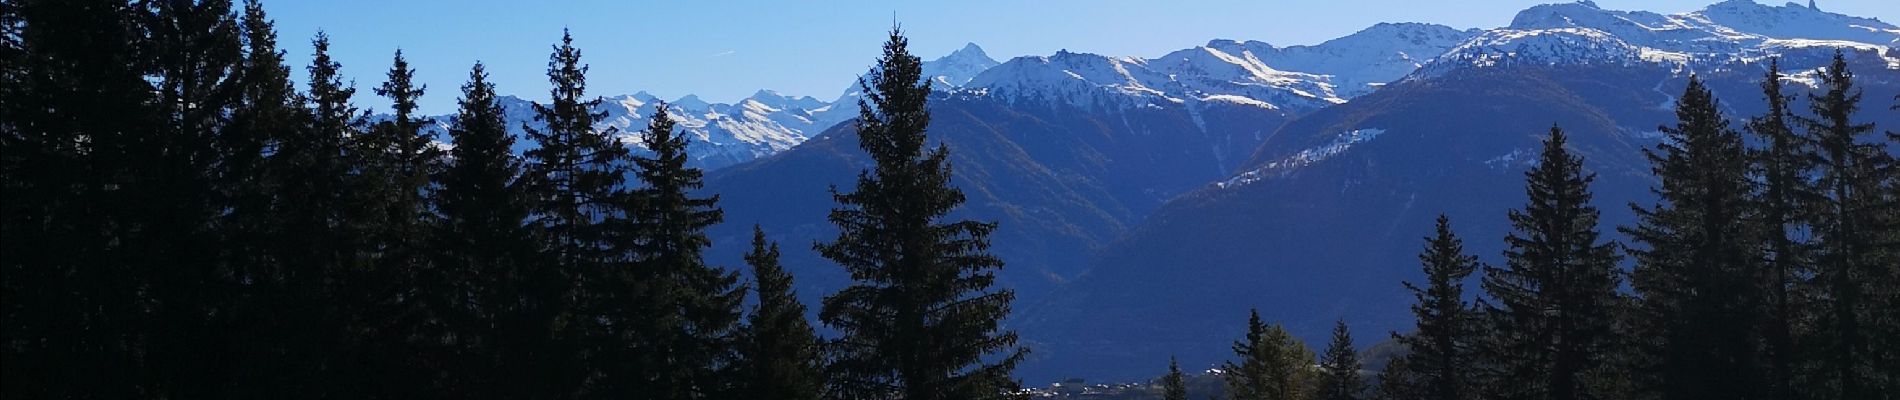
(778, 351)
(1440, 357)
(1781, 167)
(1339, 368)
(484, 250)
(401, 292)
(1174, 384)
(1853, 269)
(167, 237)
(681, 350)
(921, 320)
(1699, 305)
(268, 111)
(1272, 365)
(326, 221)
(1556, 296)
(73, 104)
(578, 209)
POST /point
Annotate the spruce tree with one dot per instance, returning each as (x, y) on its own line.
(1556, 298)
(73, 104)
(268, 112)
(921, 320)
(578, 209)
(326, 220)
(1699, 307)
(1851, 224)
(681, 350)
(778, 351)
(167, 238)
(1272, 365)
(1439, 362)
(1174, 384)
(484, 250)
(401, 292)
(1781, 168)
(1339, 368)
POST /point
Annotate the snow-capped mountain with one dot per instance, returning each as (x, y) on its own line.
(1719, 36)
(725, 134)
(1200, 74)
(957, 68)
(1295, 78)
(947, 73)
(722, 134)
(1360, 62)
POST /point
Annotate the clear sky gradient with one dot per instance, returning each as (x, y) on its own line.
(726, 50)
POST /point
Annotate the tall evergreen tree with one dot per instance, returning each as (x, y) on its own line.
(778, 351)
(1174, 384)
(1439, 362)
(679, 351)
(268, 112)
(1699, 305)
(395, 286)
(1339, 368)
(74, 104)
(1556, 295)
(167, 237)
(485, 250)
(1272, 365)
(1781, 168)
(921, 321)
(1852, 229)
(576, 183)
(321, 216)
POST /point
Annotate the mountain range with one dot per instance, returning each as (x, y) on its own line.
(1145, 204)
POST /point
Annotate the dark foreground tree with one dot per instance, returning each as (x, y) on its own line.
(921, 321)
(778, 351)
(1854, 260)
(1438, 364)
(681, 349)
(578, 204)
(1556, 297)
(74, 101)
(1697, 316)
(485, 251)
(1780, 167)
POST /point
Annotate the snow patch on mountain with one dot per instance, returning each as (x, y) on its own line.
(1340, 143)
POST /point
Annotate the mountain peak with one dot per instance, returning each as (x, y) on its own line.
(969, 51)
(958, 67)
(690, 102)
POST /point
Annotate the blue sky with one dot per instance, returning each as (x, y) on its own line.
(726, 50)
